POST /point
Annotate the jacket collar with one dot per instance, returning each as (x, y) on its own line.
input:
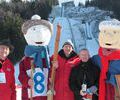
(62, 54)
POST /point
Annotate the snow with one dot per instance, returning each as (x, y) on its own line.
(76, 2)
(18, 95)
(16, 74)
(80, 24)
(73, 30)
(18, 85)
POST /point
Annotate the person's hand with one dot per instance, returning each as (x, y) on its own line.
(30, 82)
(71, 64)
(55, 64)
(89, 96)
(93, 89)
(82, 93)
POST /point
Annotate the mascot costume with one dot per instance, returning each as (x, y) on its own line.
(35, 65)
(109, 59)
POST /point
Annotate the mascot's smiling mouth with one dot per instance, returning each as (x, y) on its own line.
(108, 44)
(38, 42)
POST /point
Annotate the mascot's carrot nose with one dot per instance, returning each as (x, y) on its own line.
(108, 44)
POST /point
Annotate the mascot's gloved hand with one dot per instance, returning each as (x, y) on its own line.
(92, 90)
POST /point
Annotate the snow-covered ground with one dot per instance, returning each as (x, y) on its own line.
(18, 86)
(80, 24)
(80, 34)
(76, 2)
(18, 95)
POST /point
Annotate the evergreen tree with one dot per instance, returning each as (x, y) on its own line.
(110, 5)
(16, 1)
(11, 28)
(12, 15)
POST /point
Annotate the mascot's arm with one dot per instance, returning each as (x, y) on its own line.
(96, 60)
(23, 77)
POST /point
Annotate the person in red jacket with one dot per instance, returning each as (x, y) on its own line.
(67, 59)
(7, 79)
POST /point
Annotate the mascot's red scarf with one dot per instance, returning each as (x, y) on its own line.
(114, 55)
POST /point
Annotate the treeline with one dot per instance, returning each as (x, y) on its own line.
(12, 16)
(110, 5)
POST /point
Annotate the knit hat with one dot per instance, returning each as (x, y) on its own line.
(68, 42)
(36, 20)
(7, 42)
(112, 24)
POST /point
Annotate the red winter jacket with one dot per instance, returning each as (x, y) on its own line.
(23, 77)
(62, 89)
(7, 90)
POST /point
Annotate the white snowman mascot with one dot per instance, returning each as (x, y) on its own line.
(37, 33)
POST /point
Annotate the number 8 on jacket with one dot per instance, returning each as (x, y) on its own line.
(38, 82)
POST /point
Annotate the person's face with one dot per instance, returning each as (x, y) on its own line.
(4, 52)
(67, 49)
(84, 55)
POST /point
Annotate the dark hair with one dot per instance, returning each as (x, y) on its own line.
(68, 42)
(7, 42)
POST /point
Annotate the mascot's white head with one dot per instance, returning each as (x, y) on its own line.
(37, 32)
(109, 36)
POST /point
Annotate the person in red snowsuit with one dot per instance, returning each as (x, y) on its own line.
(7, 79)
(67, 59)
